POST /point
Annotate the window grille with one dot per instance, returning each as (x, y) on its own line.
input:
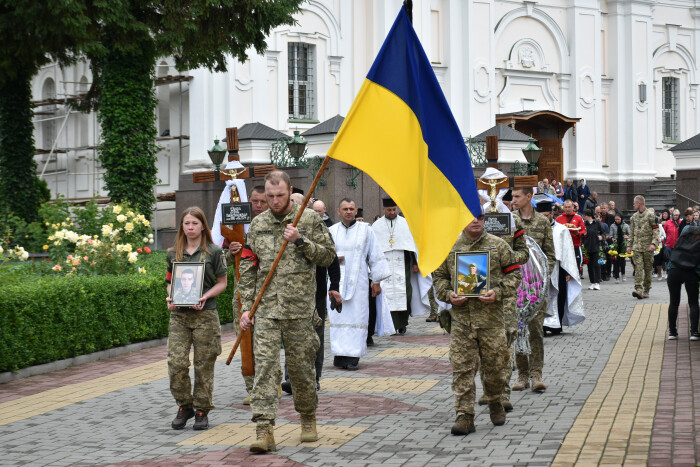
(302, 88)
(671, 109)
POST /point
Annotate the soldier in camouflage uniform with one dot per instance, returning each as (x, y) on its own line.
(196, 326)
(539, 229)
(516, 241)
(478, 328)
(644, 238)
(186, 293)
(286, 310)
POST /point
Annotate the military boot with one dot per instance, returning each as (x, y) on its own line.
(538, 384)
(464, 424)
(638, 294)
(522, 383)
(308, 428)
(265, 441)
(483, 400)
(507, 405)
(645, 294)
(498, 413)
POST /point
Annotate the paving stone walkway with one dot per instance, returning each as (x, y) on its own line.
(604, 378)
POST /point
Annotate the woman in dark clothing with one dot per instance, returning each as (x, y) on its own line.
(619, 232)
(591, 240)
(687, 220)
(680, 271)
(583, 194)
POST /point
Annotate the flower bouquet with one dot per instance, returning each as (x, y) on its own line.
(601, 255)
(531, 294)
(586, 258)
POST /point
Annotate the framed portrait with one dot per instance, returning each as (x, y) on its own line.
(186, 283)
(472, 274)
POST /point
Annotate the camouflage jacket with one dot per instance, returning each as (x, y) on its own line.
(291, 292)
(501, 267)
(644, 230)
(516, 241)
(540, 230)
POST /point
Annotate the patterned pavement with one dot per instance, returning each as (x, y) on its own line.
(618, 393)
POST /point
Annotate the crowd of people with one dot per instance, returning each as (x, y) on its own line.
(363, 278)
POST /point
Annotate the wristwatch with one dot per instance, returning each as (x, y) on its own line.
(299, 241)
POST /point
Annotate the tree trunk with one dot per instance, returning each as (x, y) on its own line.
(127, 116)
(18, 180)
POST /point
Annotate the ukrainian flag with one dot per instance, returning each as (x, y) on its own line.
(401, 132)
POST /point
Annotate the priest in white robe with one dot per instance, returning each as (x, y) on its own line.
(565, 304)
(361, 260)
(405, 290)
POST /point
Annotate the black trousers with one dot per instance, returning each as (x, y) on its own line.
(372, 322)
(619, 267)
(677, 277)
(593, 268)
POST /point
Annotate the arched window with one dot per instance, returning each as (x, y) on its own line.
(163, 93)
(83, 137)
(48, 126)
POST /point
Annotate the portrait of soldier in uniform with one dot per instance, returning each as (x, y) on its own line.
(187, 284)
(472, 274)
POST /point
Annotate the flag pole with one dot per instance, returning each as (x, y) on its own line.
(277, 259)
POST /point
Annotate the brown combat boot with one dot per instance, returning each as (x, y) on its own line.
(638, 294)
(464, 424)
(498, 413)
(507, 405)
(537, 383)
(522, 383)
(265, 441)
(483, 400)
(645, 294)
(308, 428)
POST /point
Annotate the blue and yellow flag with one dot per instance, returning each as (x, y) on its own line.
(401, 132)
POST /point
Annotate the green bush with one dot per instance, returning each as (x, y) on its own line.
(47, 317)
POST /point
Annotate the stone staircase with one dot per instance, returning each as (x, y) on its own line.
(659, 195)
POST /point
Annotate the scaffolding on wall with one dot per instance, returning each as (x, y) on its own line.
(67, 98)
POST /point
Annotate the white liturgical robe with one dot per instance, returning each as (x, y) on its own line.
(360, 260)
(564, 251)
(393, 237)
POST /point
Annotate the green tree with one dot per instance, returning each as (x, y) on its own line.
(134, 34)
(32, 34)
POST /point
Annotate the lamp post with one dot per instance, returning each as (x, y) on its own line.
(532, 154)
(297, 145)
(217, 154)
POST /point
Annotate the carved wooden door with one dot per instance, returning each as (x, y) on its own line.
(550, 163)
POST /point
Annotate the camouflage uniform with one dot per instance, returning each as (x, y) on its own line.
(643, 232)
(516, 241)
(285, 312)
(477, 328)
(433, 305)
(200, 328)
(539, 229)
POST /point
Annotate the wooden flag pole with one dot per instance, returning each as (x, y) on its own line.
(277, 259)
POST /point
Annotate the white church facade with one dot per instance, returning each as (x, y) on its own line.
(606, 87)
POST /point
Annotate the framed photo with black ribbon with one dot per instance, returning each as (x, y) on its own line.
(472, 273)
(186, 284)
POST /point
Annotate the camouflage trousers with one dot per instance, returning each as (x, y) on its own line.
(532, 364)
(200, 329)
(247, 379)
(433, 304)
(511, 319)
(469, 345)
(300, 344)
(643, 262)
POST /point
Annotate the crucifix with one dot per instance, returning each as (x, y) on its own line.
(235, 232)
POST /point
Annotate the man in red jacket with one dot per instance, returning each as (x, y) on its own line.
(576, 226)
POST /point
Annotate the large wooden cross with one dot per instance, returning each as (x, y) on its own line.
(236, 233)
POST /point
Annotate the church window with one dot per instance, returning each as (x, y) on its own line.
(48, 126)
(302, 88)
(671, 110)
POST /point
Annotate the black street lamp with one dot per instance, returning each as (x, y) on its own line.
(217, 154)
(532, 154)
